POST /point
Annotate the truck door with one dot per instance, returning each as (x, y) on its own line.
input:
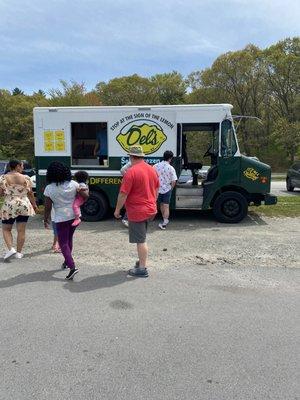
(228, 163)
(226, 171)
(196, 138)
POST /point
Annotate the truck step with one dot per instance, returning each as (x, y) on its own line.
(196, 191)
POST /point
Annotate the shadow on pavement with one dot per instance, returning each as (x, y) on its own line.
(253, 219)
(85, 285)
(98, 282)
(28, 255)
(40, 276)
(38, 253)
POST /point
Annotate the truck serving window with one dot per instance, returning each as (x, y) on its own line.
(89, 144)
(228, 142)
(197, 138)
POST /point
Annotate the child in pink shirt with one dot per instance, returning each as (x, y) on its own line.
(81, 177)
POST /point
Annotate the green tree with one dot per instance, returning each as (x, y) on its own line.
(127, 90)
(282, 108)
(16, 91)
(261, 83)
(40, 93)
(236, 78)
(169, 88)
(16, 124)
(72, 94)
(287, 136)
(282, 64)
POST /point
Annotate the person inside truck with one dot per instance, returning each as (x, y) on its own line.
(100, 149)
(184, 151)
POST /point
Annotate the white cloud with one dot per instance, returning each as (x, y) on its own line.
(92, 37)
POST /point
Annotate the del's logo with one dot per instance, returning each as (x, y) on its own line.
(251, 173)
(147, 134)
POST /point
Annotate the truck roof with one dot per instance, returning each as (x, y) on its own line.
(141, 107)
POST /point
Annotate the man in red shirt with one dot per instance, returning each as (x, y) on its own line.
(138, 193)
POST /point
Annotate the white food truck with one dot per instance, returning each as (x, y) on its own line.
(96, 139)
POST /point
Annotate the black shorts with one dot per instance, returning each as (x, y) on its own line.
(165, 197)
(19, 219)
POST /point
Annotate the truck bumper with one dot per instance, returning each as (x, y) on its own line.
(270, 199)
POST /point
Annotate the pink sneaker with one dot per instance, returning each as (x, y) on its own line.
(76, 222)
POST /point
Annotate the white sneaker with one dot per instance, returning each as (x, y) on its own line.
(19, 255)
(125, 222)
(162, 226)
(9, 253)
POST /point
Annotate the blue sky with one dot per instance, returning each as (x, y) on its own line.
(89, 41)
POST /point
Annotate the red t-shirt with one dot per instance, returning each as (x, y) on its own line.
(140, 183)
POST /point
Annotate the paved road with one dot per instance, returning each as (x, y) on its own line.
(206, 330)
(279, 189)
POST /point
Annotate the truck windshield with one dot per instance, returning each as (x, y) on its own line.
(215, 142)
(228, 141)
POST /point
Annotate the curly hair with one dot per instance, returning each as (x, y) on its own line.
(58, 172)
(13, 164)
(81, 176)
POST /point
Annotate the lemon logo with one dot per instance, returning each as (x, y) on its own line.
(251, 173)
(148, 135)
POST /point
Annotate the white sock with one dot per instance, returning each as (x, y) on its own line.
(166, 221)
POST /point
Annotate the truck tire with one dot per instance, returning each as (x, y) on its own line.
(230, 207)
(289, 186)
(96, 207)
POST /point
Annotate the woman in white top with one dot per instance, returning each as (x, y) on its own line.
(60, 194)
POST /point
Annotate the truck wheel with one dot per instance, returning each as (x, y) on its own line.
(230, 207)
(289, 186)
(95, 208)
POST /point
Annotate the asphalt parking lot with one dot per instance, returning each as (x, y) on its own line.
(218, 318)
(279, 189)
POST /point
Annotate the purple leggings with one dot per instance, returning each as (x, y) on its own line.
(65, 232)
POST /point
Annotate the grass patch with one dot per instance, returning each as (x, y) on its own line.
(287, 206)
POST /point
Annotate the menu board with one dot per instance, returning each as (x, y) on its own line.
(54, 141)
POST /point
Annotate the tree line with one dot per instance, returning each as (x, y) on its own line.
(261, 83)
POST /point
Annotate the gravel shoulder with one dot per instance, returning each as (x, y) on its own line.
(192, 237)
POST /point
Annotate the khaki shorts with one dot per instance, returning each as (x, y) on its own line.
(138, 231)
